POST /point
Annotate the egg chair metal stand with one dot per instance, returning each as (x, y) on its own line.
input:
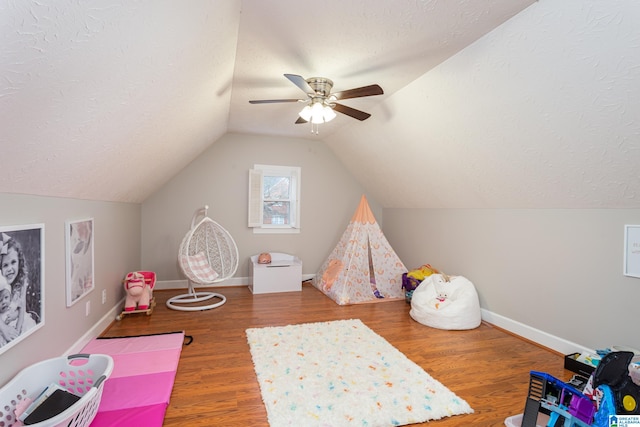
(207, 255)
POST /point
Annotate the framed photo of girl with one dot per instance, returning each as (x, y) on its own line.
(21, 283)
(79, 250)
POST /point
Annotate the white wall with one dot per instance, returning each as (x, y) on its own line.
(552, 90)
(558, 271)
(220, 178)
(532, 132)
(117, 251)
(542, 112)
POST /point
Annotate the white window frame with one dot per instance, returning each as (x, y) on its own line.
(256, 199)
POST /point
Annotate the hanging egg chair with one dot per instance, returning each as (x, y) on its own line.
(207, 255)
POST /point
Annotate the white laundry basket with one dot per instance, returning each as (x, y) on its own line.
(81, 374)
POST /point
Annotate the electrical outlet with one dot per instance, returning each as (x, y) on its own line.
(88, 308)
(104, 296)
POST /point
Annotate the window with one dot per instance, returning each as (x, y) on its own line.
(274, 199)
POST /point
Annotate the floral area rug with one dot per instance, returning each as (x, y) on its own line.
(341, 373)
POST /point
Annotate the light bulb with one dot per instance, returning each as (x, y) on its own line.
(317, 113)
(305, 114)
(328, 114)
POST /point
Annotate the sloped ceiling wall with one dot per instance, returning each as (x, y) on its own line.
(543, 112)
(108, 100)
(354, 43)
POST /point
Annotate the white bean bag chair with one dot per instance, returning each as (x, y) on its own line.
(444, 304)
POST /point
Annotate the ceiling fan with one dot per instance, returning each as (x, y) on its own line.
(321, 103)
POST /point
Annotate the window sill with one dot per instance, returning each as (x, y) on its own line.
(259, 230)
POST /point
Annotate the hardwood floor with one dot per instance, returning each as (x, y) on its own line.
(216, 385)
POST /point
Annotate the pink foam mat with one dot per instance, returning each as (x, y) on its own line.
(150, 390)
(146, 416)
(138, 390)
(144, 363)
(135, 344)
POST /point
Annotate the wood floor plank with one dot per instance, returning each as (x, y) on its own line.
(216, 385)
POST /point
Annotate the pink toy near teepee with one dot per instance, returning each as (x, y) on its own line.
(363, 266)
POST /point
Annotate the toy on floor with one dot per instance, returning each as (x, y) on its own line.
(613, 371)
(566, 405)
(422, 273)
(412, 279)
(139, 288)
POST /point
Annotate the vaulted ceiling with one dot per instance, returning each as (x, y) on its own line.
(107, 100)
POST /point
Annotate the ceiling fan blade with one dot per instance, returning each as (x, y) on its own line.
(359, 92)
(301, 120)
(300, 82)
(356, 114)
(273, 101)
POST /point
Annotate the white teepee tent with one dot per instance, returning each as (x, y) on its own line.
(363, 266)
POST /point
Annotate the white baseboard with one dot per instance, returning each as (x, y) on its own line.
(234, 281)
(97, 329)
(106, 320)
(539, 337)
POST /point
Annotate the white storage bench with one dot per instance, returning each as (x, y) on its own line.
(283, 274)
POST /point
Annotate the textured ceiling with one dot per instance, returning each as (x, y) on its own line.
(354, 43)
(108, 99)
(488, 103)
(543, 112)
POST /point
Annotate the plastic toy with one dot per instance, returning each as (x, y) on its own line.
(613, 371)
(412, 279)
(264, 258)
(560, 399)
(422, 272)
(139, 288)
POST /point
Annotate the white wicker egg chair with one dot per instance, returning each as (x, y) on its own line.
(207, 255)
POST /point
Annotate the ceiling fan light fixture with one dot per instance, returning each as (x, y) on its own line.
(317, 113)
(328, 114)
(305, 113)
(321, 106)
